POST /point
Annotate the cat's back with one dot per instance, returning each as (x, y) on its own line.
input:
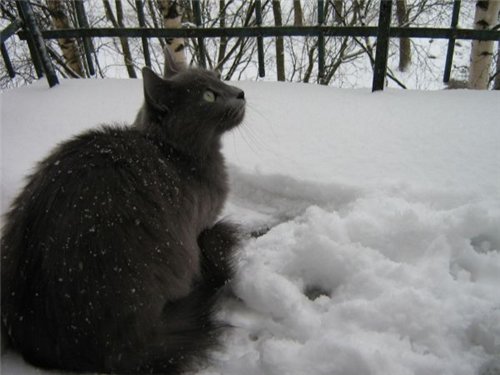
(91, 231)
(111, 180)
(110, 148)
(99, 166)
(100, 190)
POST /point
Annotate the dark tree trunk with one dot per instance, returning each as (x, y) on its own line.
(280, 46)
(297, 13)
(404, 43)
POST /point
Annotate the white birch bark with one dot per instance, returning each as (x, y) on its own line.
(172, 19)
(68, 46)
(496, 82)
(486, 17)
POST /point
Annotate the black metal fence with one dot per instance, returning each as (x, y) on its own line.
(27, 29)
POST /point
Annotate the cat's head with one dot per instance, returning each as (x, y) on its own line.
(191, 108)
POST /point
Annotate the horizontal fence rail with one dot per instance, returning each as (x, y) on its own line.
(28, 30)
(270, 31)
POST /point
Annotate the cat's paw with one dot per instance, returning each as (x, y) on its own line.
(217, 245)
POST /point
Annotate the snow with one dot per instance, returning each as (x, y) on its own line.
(379, 215)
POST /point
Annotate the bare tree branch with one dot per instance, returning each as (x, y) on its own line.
(118, 23)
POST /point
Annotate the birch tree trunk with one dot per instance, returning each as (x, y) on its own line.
(280, 47)
(496, 82)
(404, 43)
(172, 19)
(482, 51)
(68, 46)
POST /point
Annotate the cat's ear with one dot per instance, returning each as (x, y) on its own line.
(172, 67)
(156, 90)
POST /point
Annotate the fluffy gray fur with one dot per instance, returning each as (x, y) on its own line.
(112, 259)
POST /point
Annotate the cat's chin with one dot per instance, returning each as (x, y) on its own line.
(236, 119)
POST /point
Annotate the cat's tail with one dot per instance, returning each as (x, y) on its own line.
(190, 328)
(179, 342)
(4, 340)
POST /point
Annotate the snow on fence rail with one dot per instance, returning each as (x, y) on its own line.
(27, 29)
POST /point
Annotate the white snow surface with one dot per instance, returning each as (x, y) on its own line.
(379, 215)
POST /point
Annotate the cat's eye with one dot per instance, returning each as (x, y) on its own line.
(209, 96)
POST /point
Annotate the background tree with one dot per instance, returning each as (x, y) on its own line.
(404, 43)
(298, 14)
(280, 46)
(236, 54)
(223, 40)
(69, 46)
(65, 53)
(172, 19)
(118, 23)
(486, 17)
(338, 6)
(348, 60)
(496, 82)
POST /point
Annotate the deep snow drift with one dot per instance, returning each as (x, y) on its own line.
(379, 217)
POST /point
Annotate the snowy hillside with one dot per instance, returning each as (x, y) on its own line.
(379, 215)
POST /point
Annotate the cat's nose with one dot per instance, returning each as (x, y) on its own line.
(241, 95)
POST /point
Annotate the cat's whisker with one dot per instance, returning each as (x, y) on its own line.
(251, 140)
(255, 110)
(267, 121)
(254, 136)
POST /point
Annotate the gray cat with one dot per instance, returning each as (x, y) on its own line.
(112, 259)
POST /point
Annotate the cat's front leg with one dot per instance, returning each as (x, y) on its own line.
(217, 245)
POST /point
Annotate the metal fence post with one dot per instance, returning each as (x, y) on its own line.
(260, 40)
(87, 42)
(201, 43)
(35, 57)
(451, 42)
(39, 45)
(321, 42)
(7, 62)
(320, 31)
(4, 35)
(384, 24)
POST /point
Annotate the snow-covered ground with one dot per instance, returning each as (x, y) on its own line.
(380, 216)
